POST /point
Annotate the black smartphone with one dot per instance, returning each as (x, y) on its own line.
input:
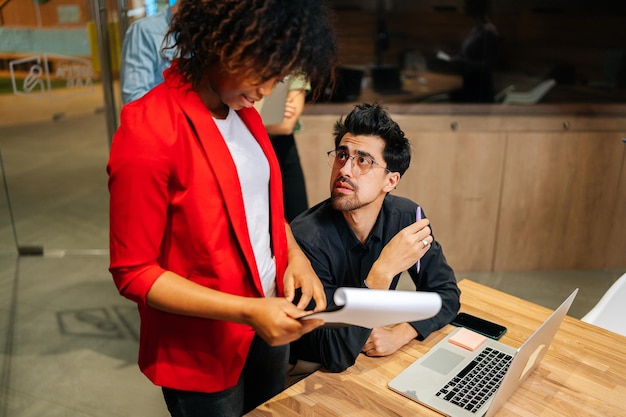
(482, 326)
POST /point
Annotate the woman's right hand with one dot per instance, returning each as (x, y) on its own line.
(275, 320)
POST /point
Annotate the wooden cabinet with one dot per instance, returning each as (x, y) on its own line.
(616, 238)
(506, 193)
(455, 177)
(559, 196)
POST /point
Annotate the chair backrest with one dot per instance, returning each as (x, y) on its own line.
(610, 311)
(532, 96)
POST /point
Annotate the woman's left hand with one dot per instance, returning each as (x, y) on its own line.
(300, 274)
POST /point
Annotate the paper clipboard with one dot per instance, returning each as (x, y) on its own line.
(376, 308)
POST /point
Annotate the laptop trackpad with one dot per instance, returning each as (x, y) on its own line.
(442, 361)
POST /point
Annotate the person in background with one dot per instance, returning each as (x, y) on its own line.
(198, 237)
(478, 56)
(146, 53)
(284, 144)
(364, 237)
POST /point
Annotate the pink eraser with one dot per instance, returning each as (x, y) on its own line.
(467, 339)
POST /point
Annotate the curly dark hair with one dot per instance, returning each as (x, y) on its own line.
(372, 120)
(255, 39)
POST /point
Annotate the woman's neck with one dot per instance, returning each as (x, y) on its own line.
(211, 99)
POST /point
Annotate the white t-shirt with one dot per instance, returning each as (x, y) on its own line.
(254, 176)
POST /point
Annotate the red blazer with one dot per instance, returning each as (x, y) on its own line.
(176, 204)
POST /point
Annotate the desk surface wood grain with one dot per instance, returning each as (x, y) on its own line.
(583, 373)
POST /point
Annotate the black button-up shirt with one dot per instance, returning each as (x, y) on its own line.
(341, 260)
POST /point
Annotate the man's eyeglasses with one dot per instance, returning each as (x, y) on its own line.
(361, 164)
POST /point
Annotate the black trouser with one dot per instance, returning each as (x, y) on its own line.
(263, 377)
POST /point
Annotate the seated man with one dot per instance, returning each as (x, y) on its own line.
(364, 237)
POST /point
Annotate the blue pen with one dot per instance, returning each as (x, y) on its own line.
(418, 217)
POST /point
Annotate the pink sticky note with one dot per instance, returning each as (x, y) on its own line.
(467, 339)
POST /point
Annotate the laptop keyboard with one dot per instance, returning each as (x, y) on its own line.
(477, 382)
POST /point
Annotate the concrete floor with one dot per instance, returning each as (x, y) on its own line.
(68, 341)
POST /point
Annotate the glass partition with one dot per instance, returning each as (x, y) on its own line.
(58, 306)
(54, 137)
(513, 51)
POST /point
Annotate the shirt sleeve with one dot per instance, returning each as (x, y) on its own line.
(139, 175)
(299, 83)
(336, 349)
(437, 276)
(140, 67)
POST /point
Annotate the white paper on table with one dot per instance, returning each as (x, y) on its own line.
(375, 308)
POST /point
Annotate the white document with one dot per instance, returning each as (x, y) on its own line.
(375, 308)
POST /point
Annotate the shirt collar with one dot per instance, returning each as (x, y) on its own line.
(350, 239)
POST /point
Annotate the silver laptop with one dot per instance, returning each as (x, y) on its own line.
(438, 379)
(272, 107)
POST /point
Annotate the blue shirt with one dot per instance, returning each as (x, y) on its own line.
(142, 60)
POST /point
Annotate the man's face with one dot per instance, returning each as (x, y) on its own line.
(349, 188)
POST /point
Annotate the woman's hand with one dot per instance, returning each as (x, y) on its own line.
(300, 274)
(275, 320)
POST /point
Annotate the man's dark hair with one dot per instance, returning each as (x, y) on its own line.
(373, 120)
(255, 39)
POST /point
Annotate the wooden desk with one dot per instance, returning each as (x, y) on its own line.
(583, 373)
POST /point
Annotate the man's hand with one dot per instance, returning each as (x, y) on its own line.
(384, 341)
(400, 254)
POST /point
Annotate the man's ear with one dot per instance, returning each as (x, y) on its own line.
(393, 178)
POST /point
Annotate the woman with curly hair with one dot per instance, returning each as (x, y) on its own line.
(198, 237)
